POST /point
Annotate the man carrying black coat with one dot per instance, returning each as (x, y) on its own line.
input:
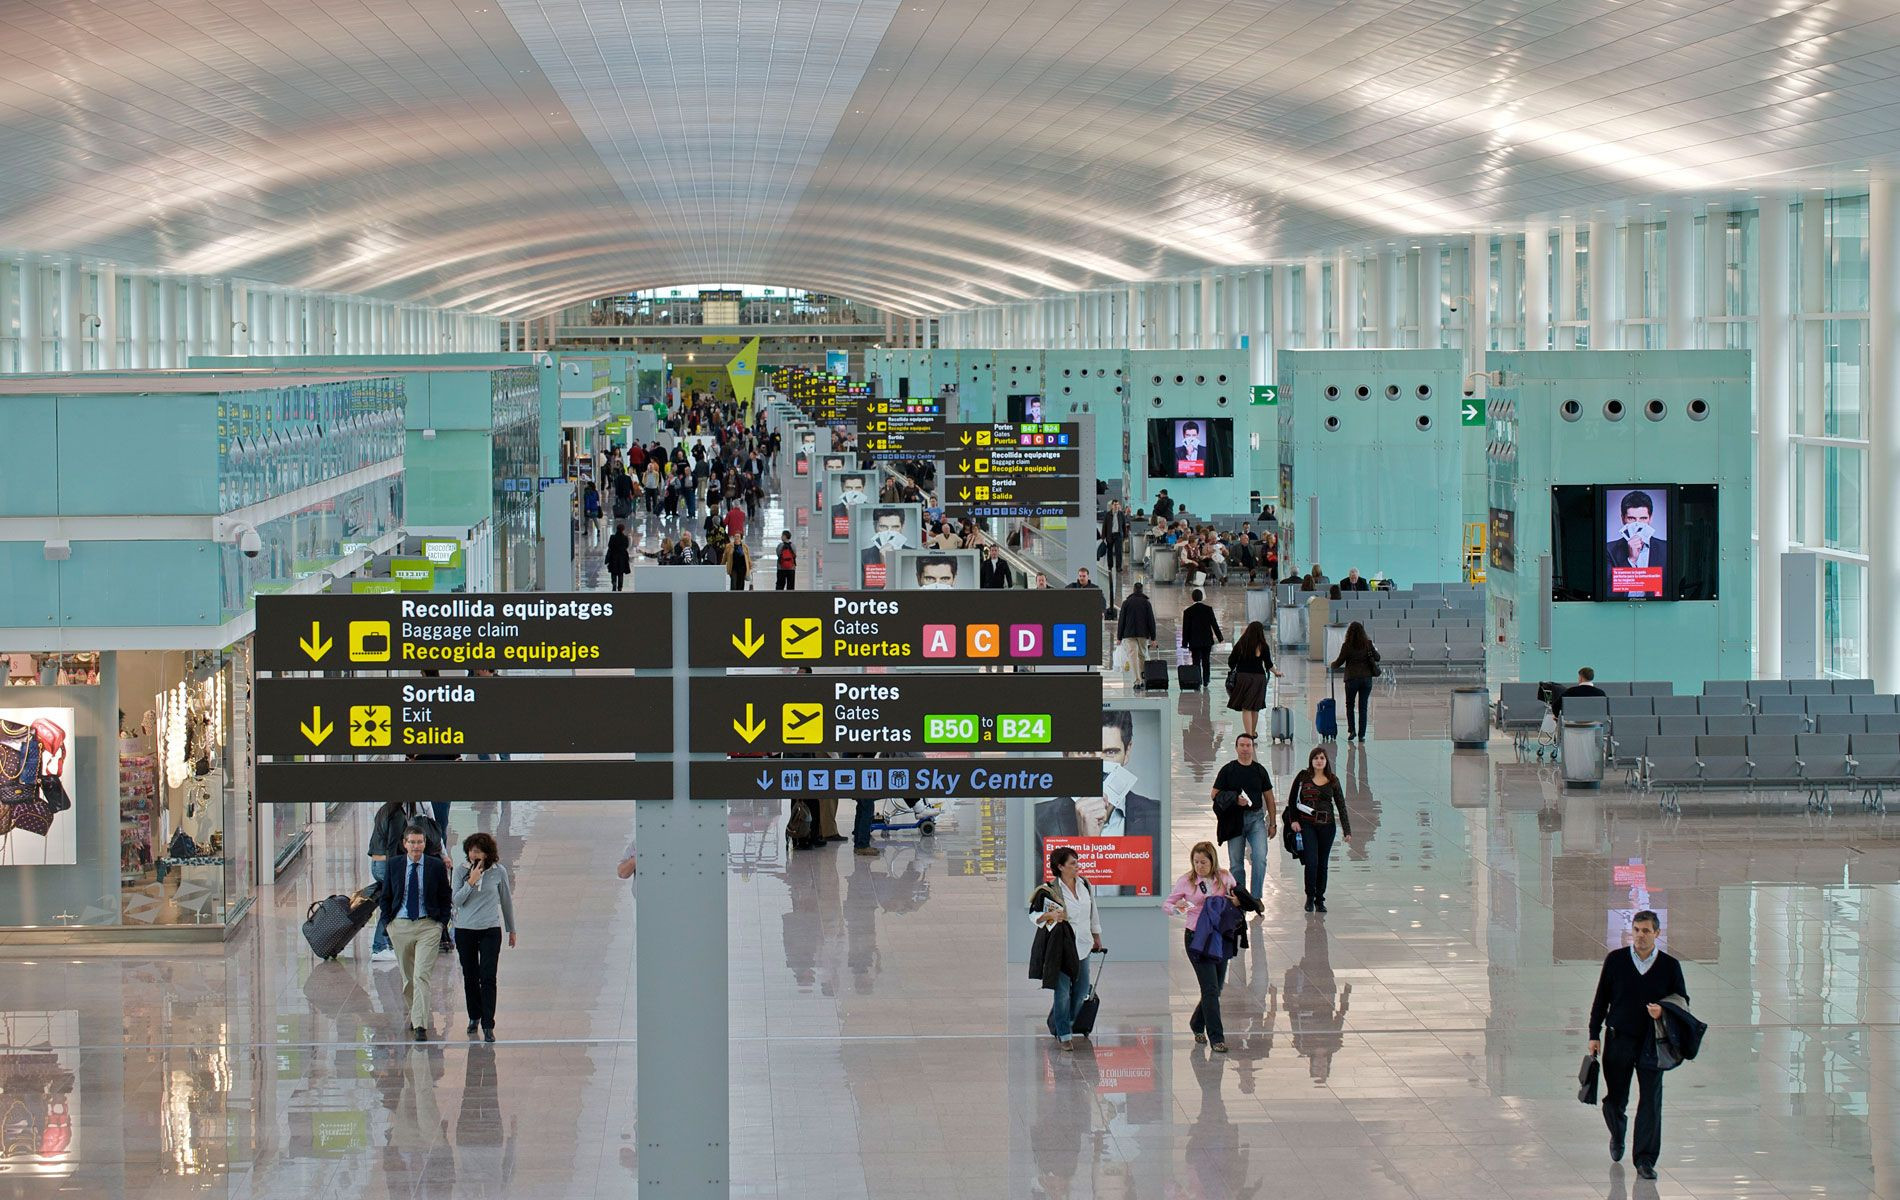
(1630, 992)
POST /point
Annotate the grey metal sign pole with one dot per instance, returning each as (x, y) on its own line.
(680, 955)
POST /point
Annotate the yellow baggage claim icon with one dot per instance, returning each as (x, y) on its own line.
(369, 641)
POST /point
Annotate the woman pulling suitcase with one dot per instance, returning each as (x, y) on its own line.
(1062, 909)
(1311, 807)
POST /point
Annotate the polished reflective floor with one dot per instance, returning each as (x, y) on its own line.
(1420, 1040)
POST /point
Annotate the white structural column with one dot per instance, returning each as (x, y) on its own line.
(169, 295)
(1603, 306)
(1230, 326)
(1506, 311)
(1206, 330)
(1282, 283)
(108, 319)
(32, 317)
(1772, 494)
(1388, 283)
(1477, 304)
(1883, 429)
(1313, 336)
(1431, 295)
(1537, 286)
(138, 322)
(1565, 270)
(1261, 343)
(72, 348)
(1679, 290)
(1346, 317)
(1813, 335)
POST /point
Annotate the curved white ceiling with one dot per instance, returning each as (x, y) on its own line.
(512, 156)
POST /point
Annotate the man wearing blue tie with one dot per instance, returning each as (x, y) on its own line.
(416, 906)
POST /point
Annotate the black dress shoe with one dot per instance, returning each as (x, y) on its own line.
(1309, 904)
(1645, 1172)
(1616, 1149)
(488, 1033)
(472, 1026)
(422, 1035)
(1319, 906)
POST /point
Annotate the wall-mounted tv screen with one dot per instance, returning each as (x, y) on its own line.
(1023, 410)
(1634, 541)
(1190, 447)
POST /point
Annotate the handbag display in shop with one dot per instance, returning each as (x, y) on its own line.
(32, 758)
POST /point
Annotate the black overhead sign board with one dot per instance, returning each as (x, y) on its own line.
(909, 428)
(909, 713)
(581, 714)
(502, 630)
(1013, 470)
(873, 779)
(428, 782)
(1054, 627)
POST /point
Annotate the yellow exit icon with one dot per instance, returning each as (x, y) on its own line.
(982, 437)
(804, 724)
(982, 493)
(801, 637)
(369, 641)
(369, 725)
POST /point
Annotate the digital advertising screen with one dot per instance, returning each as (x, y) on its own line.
(847, 491)
(38, 824)
(1190, 447)
(1025, 409)
(936, 570)
(878, 532)
(1636, 550)
(1634, 541)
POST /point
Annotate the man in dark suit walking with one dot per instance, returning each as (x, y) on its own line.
(416, 904)
(1115, 535)
(994, 573)
(1200, 630)
(1630, 991)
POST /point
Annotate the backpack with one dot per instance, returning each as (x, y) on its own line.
(787, 557)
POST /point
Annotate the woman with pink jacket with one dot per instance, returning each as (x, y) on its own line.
(1191, 892)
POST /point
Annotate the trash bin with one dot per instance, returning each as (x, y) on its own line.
(1335, 638)
(1292, 625)
(1470, 716)
(1163, 562)
(1582, 744)
(1260, 605)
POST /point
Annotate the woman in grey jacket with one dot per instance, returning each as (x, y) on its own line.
(483, 907)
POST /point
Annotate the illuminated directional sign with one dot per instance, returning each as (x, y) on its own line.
(944, 778)
(503, 630)
(1054, 627)
(898, 429)
(908, 712)
(1013, 470)
(459, 715)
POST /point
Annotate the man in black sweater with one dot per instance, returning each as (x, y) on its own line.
(1629, 990)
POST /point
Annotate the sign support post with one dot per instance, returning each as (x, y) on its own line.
(680, 959)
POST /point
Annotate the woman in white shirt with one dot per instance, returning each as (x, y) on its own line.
(1062, 909)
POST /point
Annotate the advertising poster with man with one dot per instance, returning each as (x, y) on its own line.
(1118, 834)
(1638, 548)
(1190, 450)
(936, 570)
(848, 490)
(878, 532)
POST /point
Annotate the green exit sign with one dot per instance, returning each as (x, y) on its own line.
(1472, 414)
(1266, 393)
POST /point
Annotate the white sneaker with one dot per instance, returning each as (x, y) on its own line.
(384, 956)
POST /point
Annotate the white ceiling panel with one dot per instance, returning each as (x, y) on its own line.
(512, 156)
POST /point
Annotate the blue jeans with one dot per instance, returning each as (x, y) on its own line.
(379, 871)
(1253, 833)
(1072, 991)
(862, 820)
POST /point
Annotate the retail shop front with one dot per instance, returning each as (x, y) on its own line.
(129, 566)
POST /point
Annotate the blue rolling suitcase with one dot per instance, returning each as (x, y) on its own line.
(1326, 716)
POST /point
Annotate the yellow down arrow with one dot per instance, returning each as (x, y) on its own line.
(963, 464)
(964, 438)
(315, 729)
(964, 494)
(316, 645)
(750, 645)
(751, 730)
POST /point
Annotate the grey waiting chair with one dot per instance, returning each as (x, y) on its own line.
(1830, 703)
(1736, 725)
(1771, 704)
(1625, 706)
(1781, 724)
(1835, 723)
(1676, 706)
(1679, 726)
(1652, 687)
(1853, 687)
(1883, 722)
(1614, 687)
(1767, 687)
(1825, 766)
(1725, 687)
(1811, 687)
(1587, 708)
(1777, 763)
(1668, 766)
(1876, 766)
(1628, 738)
(1872, 703)
(1733, 705)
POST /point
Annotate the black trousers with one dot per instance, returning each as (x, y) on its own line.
(1619, 1063)
(786, 580)
(1212, 976)
(480, 952)
(1202, 656)
(620, 580)
(1361, 691)
(1319, 855)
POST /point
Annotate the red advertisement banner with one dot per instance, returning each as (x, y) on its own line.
(1111, 861)
(1636, 581)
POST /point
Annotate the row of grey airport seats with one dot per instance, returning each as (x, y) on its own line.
(1787, 687)
(1593, 708)
(1821, 763)
(1629, 736)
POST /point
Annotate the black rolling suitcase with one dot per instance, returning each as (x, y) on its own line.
(332, 924)
(1154, 675)
(1085, 1020)
(1188, 675)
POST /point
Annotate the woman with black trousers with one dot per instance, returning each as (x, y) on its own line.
(1247, 666)
(484, 906)
(1359, 661)
(1315, 802)
(619, 555)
